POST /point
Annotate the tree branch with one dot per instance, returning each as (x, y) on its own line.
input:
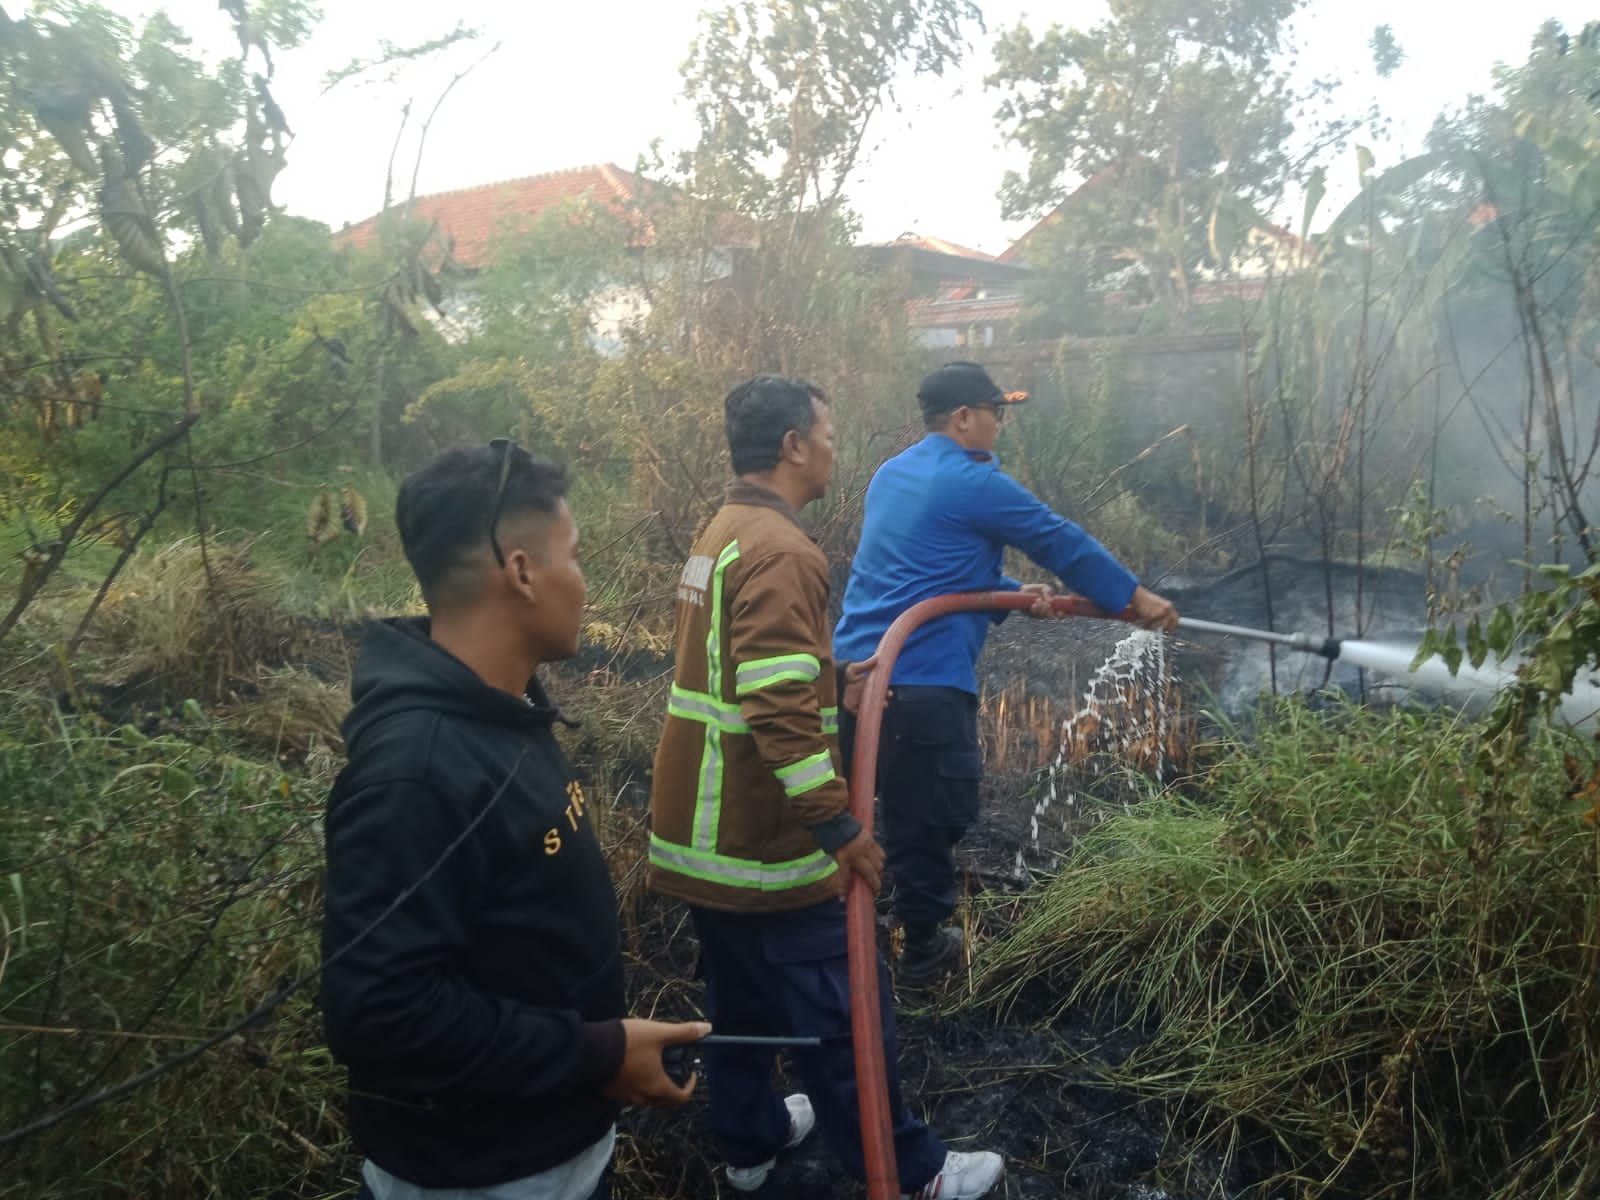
(58, 551)
(422, 135)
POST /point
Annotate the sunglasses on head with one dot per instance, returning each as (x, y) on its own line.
(505, 446)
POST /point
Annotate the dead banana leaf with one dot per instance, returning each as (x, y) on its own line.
(129, 222)
(205, 218)
(353, 511)
(322, 520)
(42, 283)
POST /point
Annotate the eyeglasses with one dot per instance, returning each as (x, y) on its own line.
(998, 411)
(504, 445)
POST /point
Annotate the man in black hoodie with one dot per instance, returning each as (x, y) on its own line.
(472, 970)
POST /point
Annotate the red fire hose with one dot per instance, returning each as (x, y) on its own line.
(872, 1081)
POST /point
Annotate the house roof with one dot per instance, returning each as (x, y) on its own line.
(1017, 251)
(474, 216)
(941, 314)
(935, 244)
(956, 270)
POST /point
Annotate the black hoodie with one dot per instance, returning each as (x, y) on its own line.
(480, 1019)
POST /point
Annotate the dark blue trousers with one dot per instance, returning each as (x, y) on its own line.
(787, 975)
(929, 771)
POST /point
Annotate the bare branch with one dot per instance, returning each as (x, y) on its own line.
(422, 136)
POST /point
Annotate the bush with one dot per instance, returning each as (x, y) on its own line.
(1364, 938)
(155, 891)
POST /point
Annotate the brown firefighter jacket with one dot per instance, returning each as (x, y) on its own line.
(747, 801)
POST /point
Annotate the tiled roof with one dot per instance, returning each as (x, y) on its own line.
(1017, 252)
(940, 314)
(937, 246)
(474, 216)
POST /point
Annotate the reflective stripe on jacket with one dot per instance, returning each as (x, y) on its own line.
(749, 757)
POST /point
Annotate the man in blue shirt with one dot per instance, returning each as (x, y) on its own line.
(939, 517)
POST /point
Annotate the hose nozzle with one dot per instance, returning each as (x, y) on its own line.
(1327, 647)
(1304, 642)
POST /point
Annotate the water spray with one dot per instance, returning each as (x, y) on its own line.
(877, 1129)
(1473, 687)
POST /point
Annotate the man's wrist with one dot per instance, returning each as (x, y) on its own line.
(836, 832)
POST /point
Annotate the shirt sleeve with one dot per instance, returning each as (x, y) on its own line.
(1006, 584)
(1008, 512)
(779, 622)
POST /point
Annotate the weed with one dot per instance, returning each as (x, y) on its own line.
(1362, 939)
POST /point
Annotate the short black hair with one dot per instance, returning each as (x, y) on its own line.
(443, 511)
(760, 412)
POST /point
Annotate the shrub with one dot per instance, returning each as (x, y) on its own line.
(1367, 937)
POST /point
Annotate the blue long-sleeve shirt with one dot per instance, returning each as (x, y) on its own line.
(938, 520)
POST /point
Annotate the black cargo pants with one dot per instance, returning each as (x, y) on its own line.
(929, 772)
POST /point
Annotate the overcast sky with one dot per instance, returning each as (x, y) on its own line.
(581, 83)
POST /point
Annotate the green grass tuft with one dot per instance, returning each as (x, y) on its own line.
(1361, 938)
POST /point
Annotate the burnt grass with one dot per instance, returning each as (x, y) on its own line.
(1022, 1083)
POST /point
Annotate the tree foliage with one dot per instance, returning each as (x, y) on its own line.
(1142, 130)
(1387, 54)
(750, 266)
(122, 139)
(784, 93)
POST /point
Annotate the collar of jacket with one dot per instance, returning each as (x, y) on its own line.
(983, 456)
(400, 658)
(540, 704)
(742, 491)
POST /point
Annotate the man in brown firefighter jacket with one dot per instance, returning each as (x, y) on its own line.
(751, 826)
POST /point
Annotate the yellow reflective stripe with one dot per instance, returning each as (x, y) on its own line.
(729, 555)
(763, 672)
(740, 872)
(696, 706)
(807, 774)
(708, 806)
(830, 719)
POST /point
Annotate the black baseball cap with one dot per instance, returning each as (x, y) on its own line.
(959, 385)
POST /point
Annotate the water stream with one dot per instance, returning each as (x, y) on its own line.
(1129, 717)
(1128, 720)
(1473, 688)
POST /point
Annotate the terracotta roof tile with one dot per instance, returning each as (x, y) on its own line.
(474, 216)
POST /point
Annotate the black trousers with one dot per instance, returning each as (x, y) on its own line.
(929, 772)
(786, 974)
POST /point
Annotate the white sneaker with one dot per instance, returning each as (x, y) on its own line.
(802, 1120)
(963, 1177)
